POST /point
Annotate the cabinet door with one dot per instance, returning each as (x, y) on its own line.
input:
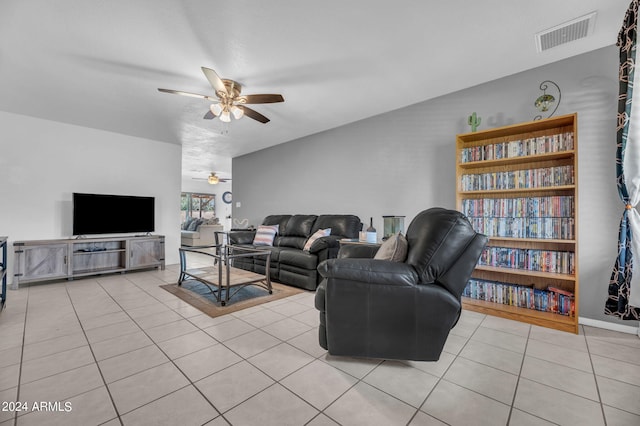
(42, 262)
(146, 253)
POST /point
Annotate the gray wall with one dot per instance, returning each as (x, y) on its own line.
(402, 162)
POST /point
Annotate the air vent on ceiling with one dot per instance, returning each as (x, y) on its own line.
(566, 32)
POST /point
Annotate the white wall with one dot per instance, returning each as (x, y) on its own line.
(402, 162)
(43, 162)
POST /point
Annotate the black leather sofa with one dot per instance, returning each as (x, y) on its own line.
(289, 263)
(399, 310)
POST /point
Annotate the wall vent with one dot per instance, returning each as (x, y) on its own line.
(566, 32)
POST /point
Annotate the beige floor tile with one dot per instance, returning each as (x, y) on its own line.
(308, 342)
(184, 407)
(229, 329)
(454, 344)
(120, 345)
(286, 329)
(617, 370)
(435, 368)
(506, 325)
(144, 311)
(319, 383)
(50, 331)
(110, 331)
(186, 344)
(402, 381)
(171, 330)
(466, 326)
(617, 417)
(619, 395)
(205, 362)
(57, 363)
(311, 317)
(280, 361)
(493, 356)
(251, 343)
(52, 346)
(322, 420)
(520, 418)
(140, 389)
(576, 342)
(263, 317)
(614, 338)
(104, 320)
(9, 376)
(233, 385)
(10, 356)
(560, 355)
(357, 367)
(423, 419)
(121, 366)
(292, 308)
(366, 405)
(560, 377)
(556, 406)
(607, 349)
(204, 321)
(63, 386)
(158, 318)
(90, 408)
(275, 406)
(456, 405)
(500, 339)
(8, 395)
(489, 381)
(188, 311)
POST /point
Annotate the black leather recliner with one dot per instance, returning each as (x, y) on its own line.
(391, 310)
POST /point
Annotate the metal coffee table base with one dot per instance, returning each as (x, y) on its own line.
(222, 279)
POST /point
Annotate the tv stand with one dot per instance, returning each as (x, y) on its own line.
(44, 260)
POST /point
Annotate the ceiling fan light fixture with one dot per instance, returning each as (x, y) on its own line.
(216, 109)
(238, 113)
(225, 117)
(213, 179)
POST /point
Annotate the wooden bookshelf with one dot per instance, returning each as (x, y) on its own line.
(518, 184)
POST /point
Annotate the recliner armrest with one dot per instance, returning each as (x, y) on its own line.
(241, 237)
(370, 271)
(324, 243)
(366, 251)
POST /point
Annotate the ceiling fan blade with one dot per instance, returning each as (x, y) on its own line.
(209, 116)
(254, 114)
(214, 80)
(193, 95)
(261, 99)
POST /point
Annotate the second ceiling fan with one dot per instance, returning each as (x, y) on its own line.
(228, 100)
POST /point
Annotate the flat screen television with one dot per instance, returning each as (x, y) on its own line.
(112, 214)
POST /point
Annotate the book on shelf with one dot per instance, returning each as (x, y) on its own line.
(559, 262)
(518, 179)
(521, 296)
(519, 148)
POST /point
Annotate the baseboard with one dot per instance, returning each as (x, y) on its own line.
(609, 326)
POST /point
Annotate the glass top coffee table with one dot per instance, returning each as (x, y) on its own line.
(213, 267)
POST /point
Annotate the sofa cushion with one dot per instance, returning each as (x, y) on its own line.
(193, 225)
(299, 225)
(345, 225)
(300, 259)
(316, 235)
(265, 235)
(190, 234)
(394, 249)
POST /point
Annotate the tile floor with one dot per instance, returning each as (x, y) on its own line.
(118, 350)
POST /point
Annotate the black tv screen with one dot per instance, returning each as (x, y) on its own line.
(112, 214)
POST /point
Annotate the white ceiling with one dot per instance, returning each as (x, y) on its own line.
(98, 63)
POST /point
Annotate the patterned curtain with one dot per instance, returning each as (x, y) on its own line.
(622, 301)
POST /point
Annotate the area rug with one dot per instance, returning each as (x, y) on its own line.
(200, 297)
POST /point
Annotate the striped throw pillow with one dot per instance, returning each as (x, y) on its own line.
(318, 234)
(265, 235)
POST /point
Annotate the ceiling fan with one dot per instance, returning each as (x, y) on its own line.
(228, 100)
(214, 179)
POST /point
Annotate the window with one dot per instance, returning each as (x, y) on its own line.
(197, 206)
